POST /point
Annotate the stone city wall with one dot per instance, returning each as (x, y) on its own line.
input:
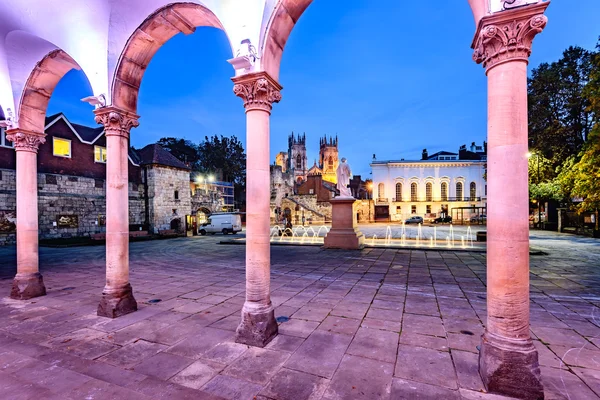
(68, 206)
(165, 208)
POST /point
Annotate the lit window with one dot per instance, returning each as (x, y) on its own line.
(413, 192)
(413, 209)
(428, 207)
(398, 191)
(444, 191)
(100, 154)
(459, 191)
(4, 142)
(429, 192)
(473, 189)
(61, 147)
(381, 190)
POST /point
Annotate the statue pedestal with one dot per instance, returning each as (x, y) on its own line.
(344, 233)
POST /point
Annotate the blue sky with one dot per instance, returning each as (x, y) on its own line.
(388, 77)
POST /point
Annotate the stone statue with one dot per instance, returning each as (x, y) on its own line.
(343, 174)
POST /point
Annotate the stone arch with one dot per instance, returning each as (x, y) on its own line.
(155, 31)
(286, 14)
(31, 110)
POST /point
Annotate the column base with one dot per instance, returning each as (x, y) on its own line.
(257, 328)
(116, 302)
(27, 286)
(510, 367)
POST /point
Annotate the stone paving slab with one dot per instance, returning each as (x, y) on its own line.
(377, 323)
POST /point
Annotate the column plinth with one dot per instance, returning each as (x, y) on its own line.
(28, 282)
(508, 360)
(117, 301)
(258, 325)
(27, 286)
(117, 296)
(344, 232)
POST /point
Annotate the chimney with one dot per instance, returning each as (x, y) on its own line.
(374, 158)
(424, 155)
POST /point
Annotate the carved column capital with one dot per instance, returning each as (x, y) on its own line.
(258, 90)
(117, 122)
(25, 140)
(508, 35)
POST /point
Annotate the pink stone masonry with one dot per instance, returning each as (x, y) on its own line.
(508, 361)
(258, 325)
(28, 282)
(344, 233)
(117, 296)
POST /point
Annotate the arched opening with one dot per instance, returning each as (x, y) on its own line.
(398, 191)
(444, 191)
(155, 31)
(459, 191)
(429, 191)
(473, 191)
(414, 192)
(381, 191)
(298, 161)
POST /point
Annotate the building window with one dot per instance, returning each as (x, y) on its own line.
(381, 191)
(299, 162)
(398, 191)
(444, 191)
(61, 147)
(4, 142)
(459, 191)
(429, 192)
(486, 190)
(414, 196)
(413, 209)
(398, 209)
(330, 161)
(100, 154)
(473, 189)
(428, 206)
(177, 195)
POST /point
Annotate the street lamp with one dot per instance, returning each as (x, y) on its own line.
(537, 159)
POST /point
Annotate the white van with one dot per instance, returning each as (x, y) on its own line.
(224, 223)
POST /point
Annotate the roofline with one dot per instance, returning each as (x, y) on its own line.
(376, 163)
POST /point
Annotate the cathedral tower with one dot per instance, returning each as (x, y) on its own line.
(328, 158)
(297, 160)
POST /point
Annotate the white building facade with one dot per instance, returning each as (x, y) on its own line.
(428, 188)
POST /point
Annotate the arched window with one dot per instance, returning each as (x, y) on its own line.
(398, 191)
(473, 191)
(299, 162)
(413, 192)
(381, 191)
(444, 191)
(429, 191)
(459, 191)
(330, 161)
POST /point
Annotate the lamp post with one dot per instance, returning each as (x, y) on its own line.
(537, 159)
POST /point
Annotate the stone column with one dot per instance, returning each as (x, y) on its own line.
(28, 282)
(117, 296)
(259, 91)
(508, 361)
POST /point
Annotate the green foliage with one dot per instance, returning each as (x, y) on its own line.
(184, 150)
(225, 155)
(579, 176)
(560, 118)
(551, 190)
(541, 169)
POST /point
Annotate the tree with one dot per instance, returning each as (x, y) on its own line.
(560, 117)
(225, 155)
(580, 176)
(183, 150)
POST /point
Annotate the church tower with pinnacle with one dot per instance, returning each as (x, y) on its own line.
(297, 160)
(328, 158)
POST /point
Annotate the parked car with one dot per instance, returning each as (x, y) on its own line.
(224, 223)
(414, 220)
(443, 220)
(479, 218)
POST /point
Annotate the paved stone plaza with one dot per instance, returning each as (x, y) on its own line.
(374, 324)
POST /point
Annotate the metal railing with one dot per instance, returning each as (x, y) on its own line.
(431, 199)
